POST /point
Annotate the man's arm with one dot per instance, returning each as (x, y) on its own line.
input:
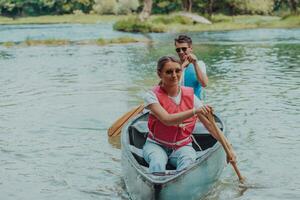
(201, 77)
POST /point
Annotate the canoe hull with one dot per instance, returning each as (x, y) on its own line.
(184, 187)
(193, 183)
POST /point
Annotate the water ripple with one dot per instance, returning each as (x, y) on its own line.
(56, 104)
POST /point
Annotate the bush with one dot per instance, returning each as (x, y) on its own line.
(134, 24)
(127, 6)
(105, 7)
(165, 6)
(77, 12)
(172, 19)
(262, 7)
(156, 24)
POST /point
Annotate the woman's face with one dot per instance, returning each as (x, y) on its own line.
(170, 74)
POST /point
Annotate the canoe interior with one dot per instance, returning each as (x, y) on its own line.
(138, 132)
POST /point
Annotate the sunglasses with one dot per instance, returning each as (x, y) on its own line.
(170, 71)
(182, 48)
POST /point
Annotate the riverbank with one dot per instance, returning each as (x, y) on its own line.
(62, 19)
(162, 23)
(177, 23)
(56, 42)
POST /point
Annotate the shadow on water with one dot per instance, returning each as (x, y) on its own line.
(5, 55)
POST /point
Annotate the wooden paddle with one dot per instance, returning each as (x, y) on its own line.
(225, 146)
(117, 126)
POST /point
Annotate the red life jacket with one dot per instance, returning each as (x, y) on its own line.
(174, 136)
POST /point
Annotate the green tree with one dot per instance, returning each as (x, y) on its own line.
(294, 5)
(127, 6)
(11, 8)
(251, 6)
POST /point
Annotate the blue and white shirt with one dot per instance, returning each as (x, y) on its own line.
(189, 77)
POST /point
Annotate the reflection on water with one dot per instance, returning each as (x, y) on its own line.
(56, 104)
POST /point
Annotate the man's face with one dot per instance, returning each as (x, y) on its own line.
(182, 50)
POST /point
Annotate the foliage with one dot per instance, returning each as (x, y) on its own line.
(15, 8)
(121, 40)
(166, 6)
(54, 19)
(46, 42)
(115, 6)
(127, 6)
(133, 24)
(105, 7)
(172, 19)
(221, 22)
(155, 24)
(20, 8)
(56, 42)
(251, 6)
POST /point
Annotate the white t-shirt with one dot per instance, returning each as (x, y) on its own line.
(202, 67)
(151, 98)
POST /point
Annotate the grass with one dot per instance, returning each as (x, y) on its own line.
(48, 42)
(55, 42)
(56, 19)
(133, 24)
(121, 40)
(221, 22)
(166, 23)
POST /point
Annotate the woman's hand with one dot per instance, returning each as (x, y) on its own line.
(204, 110)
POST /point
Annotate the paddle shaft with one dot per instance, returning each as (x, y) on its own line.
(118, 131)
(226, 148)
(117, 126)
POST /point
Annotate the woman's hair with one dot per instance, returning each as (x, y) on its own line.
(163, 60)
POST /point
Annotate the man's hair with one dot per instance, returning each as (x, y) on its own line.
(183, 39)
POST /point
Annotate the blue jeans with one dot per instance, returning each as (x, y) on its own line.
(157, 156)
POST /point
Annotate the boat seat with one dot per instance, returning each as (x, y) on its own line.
(138, 134)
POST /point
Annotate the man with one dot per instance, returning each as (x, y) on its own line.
(194, 71)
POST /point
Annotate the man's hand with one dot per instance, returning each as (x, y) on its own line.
(191, 58)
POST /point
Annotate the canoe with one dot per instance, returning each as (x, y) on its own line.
(192, 183)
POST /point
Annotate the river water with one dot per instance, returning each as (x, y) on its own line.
(56, 103)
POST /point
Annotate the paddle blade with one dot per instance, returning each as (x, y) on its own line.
(117, 126)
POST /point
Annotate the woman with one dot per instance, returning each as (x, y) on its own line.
(173, 113)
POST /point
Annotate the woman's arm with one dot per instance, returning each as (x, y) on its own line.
(169, 119)
(176, 118)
